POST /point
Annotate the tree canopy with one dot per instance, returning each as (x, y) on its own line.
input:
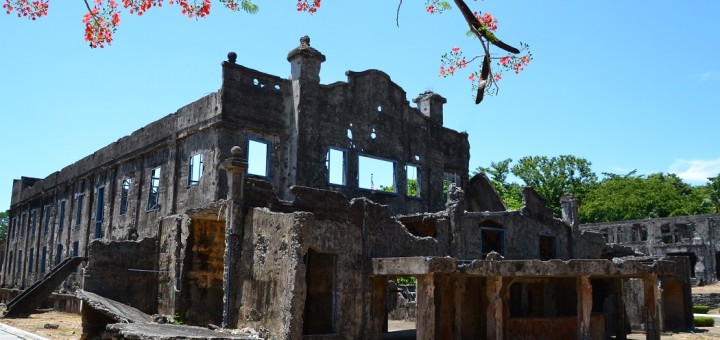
(4, 223)
(614, 198)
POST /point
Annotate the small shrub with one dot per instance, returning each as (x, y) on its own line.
(701, 309)
(704, 321)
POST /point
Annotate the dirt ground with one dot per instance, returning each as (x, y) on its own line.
(70, 325)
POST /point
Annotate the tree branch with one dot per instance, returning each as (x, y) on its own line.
(397, 14)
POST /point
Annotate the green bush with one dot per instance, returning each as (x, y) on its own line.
(704, 321)
(701, 309)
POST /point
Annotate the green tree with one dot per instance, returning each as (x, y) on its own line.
(632, 197)
(553, 177)
(4, 223)
(713, 193)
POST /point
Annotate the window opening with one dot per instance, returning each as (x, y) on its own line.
(13, 228)
(125, 195)
(19, 262)
(22, 225)
(31, 260)
(99, 211)
(46, 223)
(153, 195)
(75, 249)
(33, 222)
(493, 239)
(11, 261)
(195, 169)
(78, 213)
(43, 259)
(61, 224)
(376, 174)
(335, 163)
(547, 247)
(258, 158)
(58, 254)
(413, 181)
(449, 178)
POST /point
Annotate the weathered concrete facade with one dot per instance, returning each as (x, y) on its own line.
(697, 237)
(250, 207)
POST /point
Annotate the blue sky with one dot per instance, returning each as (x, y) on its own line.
(625, 84)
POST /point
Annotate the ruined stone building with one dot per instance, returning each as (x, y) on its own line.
(697, 237)
(251, 207)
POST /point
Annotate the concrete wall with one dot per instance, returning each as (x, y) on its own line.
(695, 236)
(125, 271)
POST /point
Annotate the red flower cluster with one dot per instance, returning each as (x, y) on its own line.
(100, 23)
(487, 20)
(451, 62)
(140, 6)
(436, 6)
(310, 6)
(195, 10)
(515, 63)
(30, 9)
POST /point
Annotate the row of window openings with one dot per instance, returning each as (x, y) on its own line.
(43, 258)
(195, 170)
(374, 173)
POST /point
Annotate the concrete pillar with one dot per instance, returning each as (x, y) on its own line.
(494, 314)
(235, 168)
(619, 310)
(652, 323)
(584, 307)
(425, 314)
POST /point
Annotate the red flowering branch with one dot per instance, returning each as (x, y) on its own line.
(308, 6)
(482, 26)
(29, 9)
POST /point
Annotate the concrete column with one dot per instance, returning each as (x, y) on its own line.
(652, 323)
(619, 310)
(425, 307)
(235, 169)
(494, 314)
(584, 307)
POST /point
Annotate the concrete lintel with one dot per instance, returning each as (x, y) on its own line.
(411, 266)
(559, 268)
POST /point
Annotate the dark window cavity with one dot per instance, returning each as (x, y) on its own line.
(33, 222)
(124, 195)
(493, 239)
(78, 209)
(19, 262)
(258, 157)
(547, 247)
(43, 259)
(376, 174)
(22, 225)
(31, 260)
(335, 164)
(413, 181)
(99, 211)
(154, 195)
(58, 254)
(195, 169)
(46, 215)
(61, 218)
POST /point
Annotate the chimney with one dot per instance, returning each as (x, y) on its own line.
(431, 105)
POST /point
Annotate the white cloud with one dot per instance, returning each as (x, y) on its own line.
(695, 171)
